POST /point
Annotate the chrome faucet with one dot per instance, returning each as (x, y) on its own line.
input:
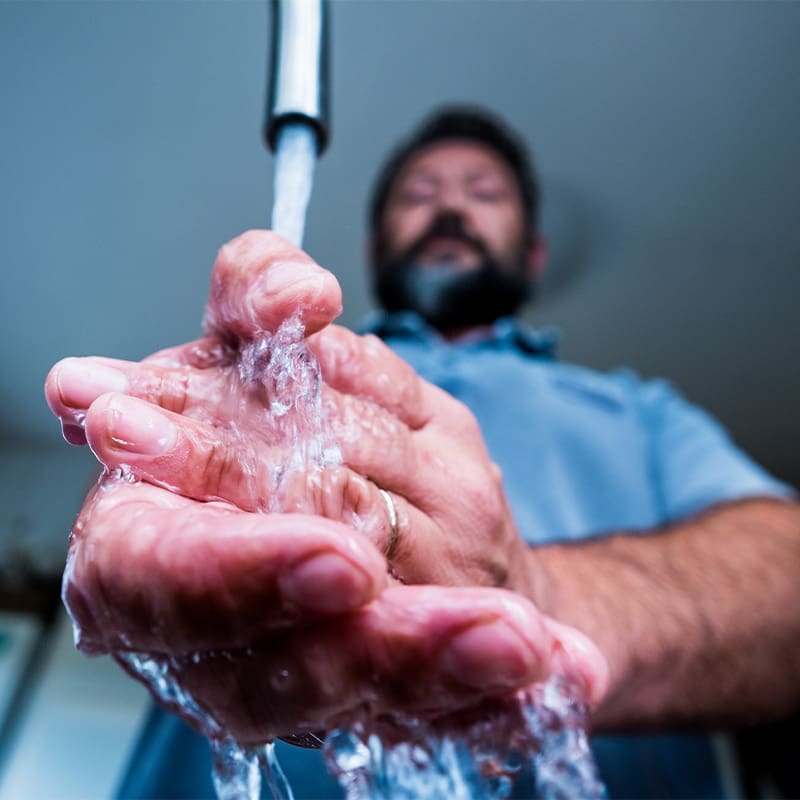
(298, 79)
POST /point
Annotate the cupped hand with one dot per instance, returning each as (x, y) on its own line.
(281, 624)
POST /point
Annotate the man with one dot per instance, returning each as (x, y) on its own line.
(624, 514)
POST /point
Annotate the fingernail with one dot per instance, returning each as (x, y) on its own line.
(81, 381)
(490, 656)
(284, 274)
(326, 583)
(137, 427)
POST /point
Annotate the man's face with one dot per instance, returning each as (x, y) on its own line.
(454, 241)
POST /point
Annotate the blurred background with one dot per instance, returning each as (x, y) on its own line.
(667, 136)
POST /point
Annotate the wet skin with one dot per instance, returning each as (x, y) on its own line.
(186, 561)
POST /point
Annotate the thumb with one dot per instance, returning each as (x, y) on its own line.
(260, 279)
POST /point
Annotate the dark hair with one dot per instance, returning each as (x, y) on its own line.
(461, 122)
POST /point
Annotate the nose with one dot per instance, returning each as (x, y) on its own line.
(454, 204)
(453, 199)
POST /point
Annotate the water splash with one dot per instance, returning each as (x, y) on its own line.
(476, 754)
(282, 365)
(271, 768)
(160, 674)
(564, 766)
(237, 772)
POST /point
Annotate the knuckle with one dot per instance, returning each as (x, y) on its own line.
(483, 493)
(344, 494)
(464, 420)
(330, 492)
(218, 466)
(173, 391)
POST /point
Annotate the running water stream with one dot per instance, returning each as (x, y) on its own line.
(475, 754)
(295, 159)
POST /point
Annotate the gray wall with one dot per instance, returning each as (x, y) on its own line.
(668, 137)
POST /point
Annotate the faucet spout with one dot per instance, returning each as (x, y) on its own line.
(298, 80)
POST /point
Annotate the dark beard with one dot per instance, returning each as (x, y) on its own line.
(447, 296)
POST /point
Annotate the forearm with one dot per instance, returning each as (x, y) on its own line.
(700, 621)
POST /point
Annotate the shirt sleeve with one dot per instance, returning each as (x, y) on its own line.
(694, 461)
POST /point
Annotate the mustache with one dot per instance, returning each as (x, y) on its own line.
(450, 226)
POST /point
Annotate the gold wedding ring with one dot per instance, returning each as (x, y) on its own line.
(390, 548)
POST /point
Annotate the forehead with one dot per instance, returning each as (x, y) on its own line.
(458, 158)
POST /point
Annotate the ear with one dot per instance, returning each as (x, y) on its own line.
(536, 256)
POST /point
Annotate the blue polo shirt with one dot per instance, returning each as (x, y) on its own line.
(582, 454)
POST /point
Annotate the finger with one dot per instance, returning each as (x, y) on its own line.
(184, 455)
(414, 650)
(260, 279)
(484, 639)
(152, 571)
(363, 366)
(73, 384)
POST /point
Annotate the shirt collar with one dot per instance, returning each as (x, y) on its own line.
(540, 342)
